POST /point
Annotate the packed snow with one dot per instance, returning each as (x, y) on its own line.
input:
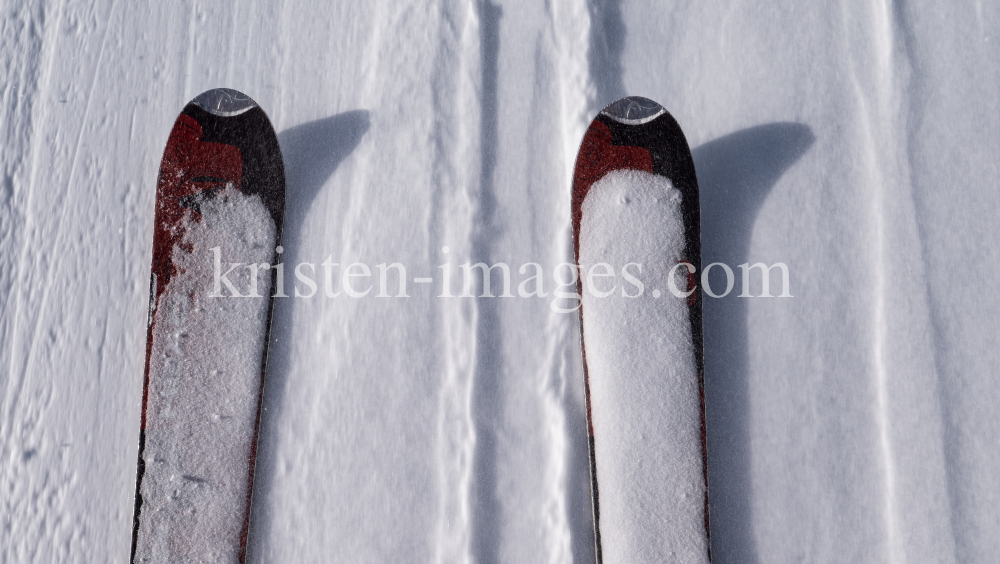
(204, 383)
(854, 141)
(644, 397)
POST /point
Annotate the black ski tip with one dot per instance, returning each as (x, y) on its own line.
(633, 110)
(224, 102)
(230, 117)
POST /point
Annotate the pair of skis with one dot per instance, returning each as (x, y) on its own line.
(221, 192)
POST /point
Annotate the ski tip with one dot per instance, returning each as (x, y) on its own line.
(633, 110)
(224, 102)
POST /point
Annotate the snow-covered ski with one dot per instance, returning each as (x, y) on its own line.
(220, 200)
(635, 212)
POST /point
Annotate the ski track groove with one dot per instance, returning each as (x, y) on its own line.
(569, 32)
(453, 171)
(556, 374)
(62, 207)
(877, 213)
(22, 103)
(892, 69)
(12, 401)
(554, 57)
(488, 364)
(232, 40)
(916, 109)
(551, 379)
(189, 54)
(44, 401)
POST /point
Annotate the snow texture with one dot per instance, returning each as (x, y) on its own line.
(643, 379)
(204, 383)
(853, 140)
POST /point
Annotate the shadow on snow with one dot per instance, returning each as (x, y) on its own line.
(312, 152)
(735, 174)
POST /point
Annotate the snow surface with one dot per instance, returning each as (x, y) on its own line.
(855, 141)
(644, 396)
(204, 383)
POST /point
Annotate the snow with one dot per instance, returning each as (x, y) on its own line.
(853, 141)
(204, 383)
(644, 395)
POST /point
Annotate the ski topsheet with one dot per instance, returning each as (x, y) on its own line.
(219, 205)
(635, 212)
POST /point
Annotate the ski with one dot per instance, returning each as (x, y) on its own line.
(636, 220)
(220, 200)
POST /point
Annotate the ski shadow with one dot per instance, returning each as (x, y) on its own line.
(486, 504)
(608, 35)
(312, 152)
(735, 174)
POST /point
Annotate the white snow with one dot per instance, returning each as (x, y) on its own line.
(204, 382)
(855, 141)
(643, 378)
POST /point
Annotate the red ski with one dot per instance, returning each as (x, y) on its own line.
(220, 199)
(635, 212)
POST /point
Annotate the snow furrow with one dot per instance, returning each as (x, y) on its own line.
(455, 171)
(946, 166)
(561, 80)
(22, 55)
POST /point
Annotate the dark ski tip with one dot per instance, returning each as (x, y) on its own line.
(633, 110)
(224, 102)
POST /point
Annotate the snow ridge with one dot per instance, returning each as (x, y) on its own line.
(455, 168)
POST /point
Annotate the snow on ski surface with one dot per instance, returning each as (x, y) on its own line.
(204, 382)
(853, 141)
(643, 378)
